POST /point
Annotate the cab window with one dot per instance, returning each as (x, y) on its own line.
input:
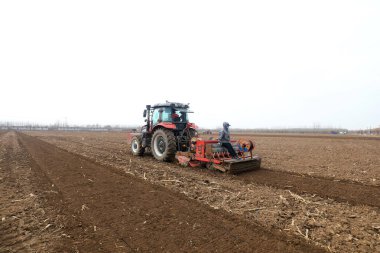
(155, 116)
(166, 115)
(182, 116)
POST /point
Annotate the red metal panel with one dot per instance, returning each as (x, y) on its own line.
(166, 125)
(130, 136)
(200, 152)
(192, 125)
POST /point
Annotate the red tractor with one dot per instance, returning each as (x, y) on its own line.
(167, 131)
(169, 135)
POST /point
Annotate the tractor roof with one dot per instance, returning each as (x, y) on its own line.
(172, 104)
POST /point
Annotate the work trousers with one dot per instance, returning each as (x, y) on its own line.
(230, 149)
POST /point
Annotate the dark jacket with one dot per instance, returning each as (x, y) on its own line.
(224, 134)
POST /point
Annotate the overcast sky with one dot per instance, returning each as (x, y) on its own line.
(251, 63)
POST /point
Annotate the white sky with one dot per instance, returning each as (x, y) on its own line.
(251, 63)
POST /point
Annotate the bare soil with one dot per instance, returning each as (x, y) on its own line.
(339, 190)
(350, 158)
(339, 214)
(32, 214)
(58, 201)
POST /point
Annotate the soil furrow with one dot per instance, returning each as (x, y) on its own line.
(353, 193)
(31, 219)
(145, 216)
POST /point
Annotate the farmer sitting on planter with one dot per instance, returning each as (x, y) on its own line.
(224, 140)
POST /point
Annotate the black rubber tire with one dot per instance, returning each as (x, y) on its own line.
(167, 139)
(136, 146)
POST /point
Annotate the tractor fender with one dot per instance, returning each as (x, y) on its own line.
(166, 125)
(192, 125)
(131, 135)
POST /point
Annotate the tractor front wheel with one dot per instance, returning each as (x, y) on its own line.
(136, 146)
(164, 145)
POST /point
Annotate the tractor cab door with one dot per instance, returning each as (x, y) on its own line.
(161, 114)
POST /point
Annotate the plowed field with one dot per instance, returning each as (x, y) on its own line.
(67, 192)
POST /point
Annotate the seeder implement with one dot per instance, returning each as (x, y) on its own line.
(212, 155)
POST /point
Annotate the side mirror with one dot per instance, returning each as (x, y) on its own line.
(144, 114)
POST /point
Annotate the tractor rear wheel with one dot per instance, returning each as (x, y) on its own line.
(164, 145)
(136, 146)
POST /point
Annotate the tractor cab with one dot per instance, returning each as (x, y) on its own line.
(168, 115)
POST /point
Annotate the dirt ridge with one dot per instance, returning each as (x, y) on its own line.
(342, 191)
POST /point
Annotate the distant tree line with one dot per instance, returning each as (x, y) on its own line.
(27, 126)
(368, 131)
(59, 126)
